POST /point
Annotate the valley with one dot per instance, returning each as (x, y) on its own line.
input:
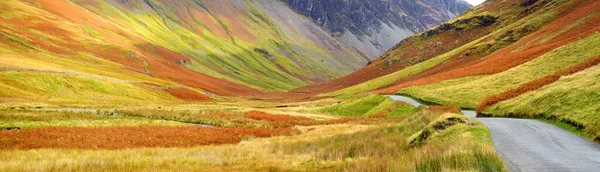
(286, 85)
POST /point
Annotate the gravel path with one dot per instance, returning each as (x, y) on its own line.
(531, 145)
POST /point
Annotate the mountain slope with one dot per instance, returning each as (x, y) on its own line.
(489, 39)
(375, 26)
(533, 59)
(199, 47)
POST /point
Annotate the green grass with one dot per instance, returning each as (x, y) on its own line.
(91, 32)
(470, 91)
(233, 58)
(296, 59)
(37, 119)
(66, 89)
(357, 107)
(390, 78)
(573, 100)
(401, 109)
(458, 148)
(385, 104)
(536, 20)
(369, 106)
(6, 15)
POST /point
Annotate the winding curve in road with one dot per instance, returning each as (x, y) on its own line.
(531, 145)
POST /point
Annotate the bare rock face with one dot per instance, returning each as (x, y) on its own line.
(375, 26)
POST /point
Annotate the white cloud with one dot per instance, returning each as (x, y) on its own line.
(475, 2)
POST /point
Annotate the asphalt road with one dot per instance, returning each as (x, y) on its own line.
(531, 145)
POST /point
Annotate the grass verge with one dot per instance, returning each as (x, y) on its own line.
(572, 99)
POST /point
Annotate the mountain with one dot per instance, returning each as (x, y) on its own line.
(510, 58)
(375, 26)
(204, 47)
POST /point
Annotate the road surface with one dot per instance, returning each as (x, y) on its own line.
(531, 145)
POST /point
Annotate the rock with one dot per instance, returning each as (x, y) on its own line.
(526, 3)
(358, 16)
(11, 128)
(209, 94)
(429, 33)
(264, 53)
(487, 20)
(372, 18)
(181, 62)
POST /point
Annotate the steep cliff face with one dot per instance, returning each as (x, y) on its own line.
(375, 26)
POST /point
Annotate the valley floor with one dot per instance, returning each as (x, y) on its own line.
(245, 135)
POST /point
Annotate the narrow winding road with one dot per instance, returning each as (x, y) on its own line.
(531, 145)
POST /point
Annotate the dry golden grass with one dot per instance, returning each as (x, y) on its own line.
(377, 144)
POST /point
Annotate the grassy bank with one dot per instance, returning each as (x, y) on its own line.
(572, 99)
(470, 91)
(357, 107)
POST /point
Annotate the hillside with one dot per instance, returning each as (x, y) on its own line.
(162, 50)
(294, 85)
(373, 27)
(532, 59)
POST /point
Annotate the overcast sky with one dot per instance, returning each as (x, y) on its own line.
(475, 2)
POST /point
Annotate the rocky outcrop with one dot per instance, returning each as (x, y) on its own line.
(375, 26)
(525, 3)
